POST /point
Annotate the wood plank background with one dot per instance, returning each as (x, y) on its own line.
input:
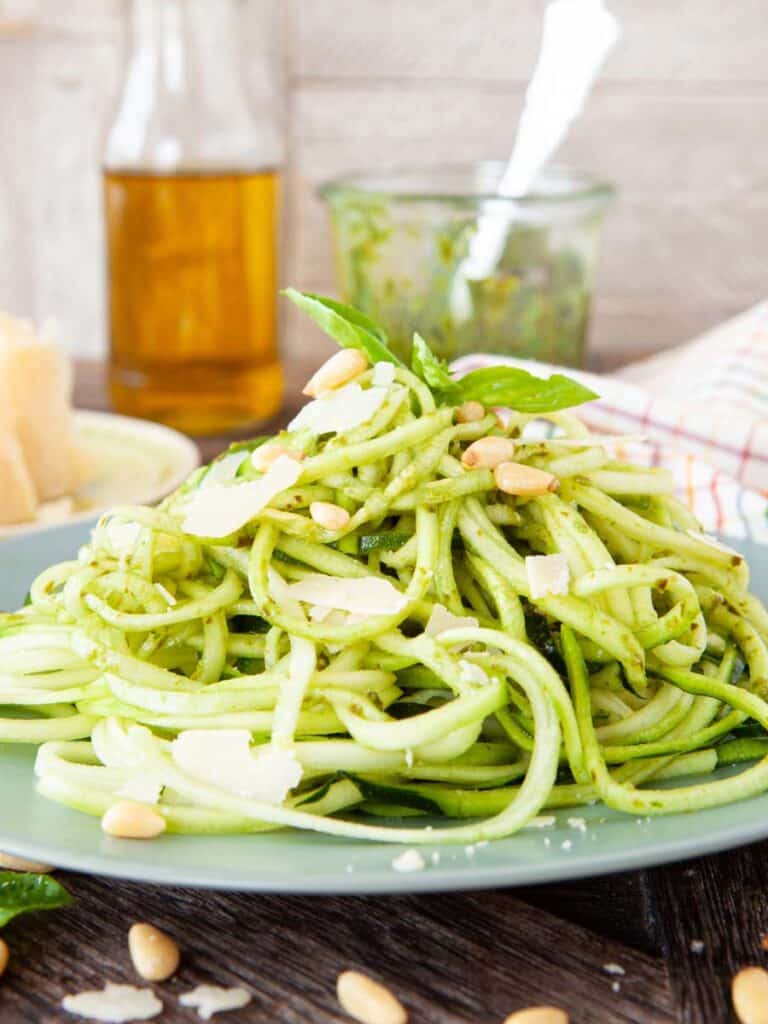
(677, 122)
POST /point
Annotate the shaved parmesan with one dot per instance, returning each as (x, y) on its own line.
(547, 574)
(370, 595)
(223, 758)
(383, 374)
(339, 410)
(441, 620)
(144, 789)
(210, 999)
(223, 469)
(473, 674)
(219, 510)
(115, 1004)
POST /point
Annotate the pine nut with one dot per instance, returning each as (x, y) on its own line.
(11, 863)
(128, 820)
(538, 1015)
(328, 515)
(470, 412)
(5, 955)
(368, 1001)
(154, 954)
(749, 991)
(524, 481)
(488, 453)
(268, 454)
(339, 369)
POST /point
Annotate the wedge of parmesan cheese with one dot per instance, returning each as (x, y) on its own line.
(370, 595)
(220, 510)
(341, 409)
(36, 390)
(547, 574)
(224, 758)
(114, 1004)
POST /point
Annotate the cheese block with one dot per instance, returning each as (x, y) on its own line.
(36, 391)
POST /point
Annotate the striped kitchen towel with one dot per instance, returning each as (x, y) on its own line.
(704, 408)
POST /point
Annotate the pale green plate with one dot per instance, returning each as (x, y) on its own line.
(300, 862)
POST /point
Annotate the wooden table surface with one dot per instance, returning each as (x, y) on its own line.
(454, 958)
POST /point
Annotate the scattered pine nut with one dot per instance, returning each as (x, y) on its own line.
(488, 453)
(470, 412)
(368, 1001)
(538, 1015)
(268, 454)
(129, 820)
(5, 955)
(341, 368)
(328, 515)
(749, 991)
(11, 863)
(154, 954)
(524, 481)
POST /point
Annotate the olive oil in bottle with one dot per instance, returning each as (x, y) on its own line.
(192, 285)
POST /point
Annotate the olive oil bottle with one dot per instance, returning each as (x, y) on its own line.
(191, 213)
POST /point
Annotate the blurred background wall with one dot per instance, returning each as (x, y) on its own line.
(678, 121)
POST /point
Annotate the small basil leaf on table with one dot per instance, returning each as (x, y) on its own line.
(519, 390)
(346, 325)
(21, 892)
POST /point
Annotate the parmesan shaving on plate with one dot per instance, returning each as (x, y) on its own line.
(368, 595)
(547, 574)
(339, 410)
(114, 1004)
(383, 374)
(210, 999)
(224, 758)
(441, 620)
(218, 511)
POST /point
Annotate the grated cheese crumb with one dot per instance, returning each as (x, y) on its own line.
(566, 844)
(613, 969)
(409, 860)
(472, 674)
(114, 1004)
(541, 821)
(210, 999)
(696, 946)
(615, 986)
(547, 574)
(578, 823)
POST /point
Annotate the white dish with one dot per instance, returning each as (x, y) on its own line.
(135, 462)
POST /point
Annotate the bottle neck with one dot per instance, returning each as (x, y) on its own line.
(184, 104)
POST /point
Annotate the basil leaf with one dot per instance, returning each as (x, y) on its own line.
(346, 325)
(432, 370)
(520, 390)
(21, 892)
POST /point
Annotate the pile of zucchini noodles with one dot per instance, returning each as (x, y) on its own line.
(652, 666)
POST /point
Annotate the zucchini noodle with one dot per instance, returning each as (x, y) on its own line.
(466, 697)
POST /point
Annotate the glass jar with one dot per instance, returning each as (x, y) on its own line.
(190, 188)
(400, 239)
